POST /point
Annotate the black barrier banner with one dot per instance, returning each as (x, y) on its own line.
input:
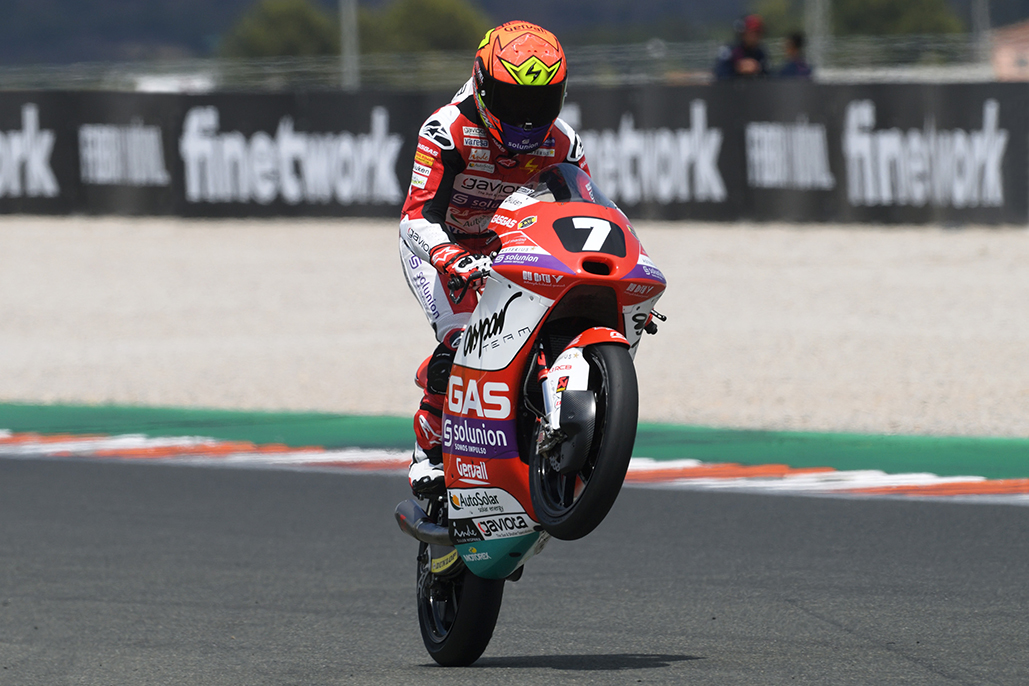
(772, 150)
(221, 155)
(783, 150)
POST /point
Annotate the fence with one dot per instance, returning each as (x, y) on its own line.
(939, 58)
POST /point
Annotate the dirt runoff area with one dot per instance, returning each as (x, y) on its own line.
(842, 328)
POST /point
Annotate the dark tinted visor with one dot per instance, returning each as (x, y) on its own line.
(523, 106)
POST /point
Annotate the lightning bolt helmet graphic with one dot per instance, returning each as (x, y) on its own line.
(519, 77)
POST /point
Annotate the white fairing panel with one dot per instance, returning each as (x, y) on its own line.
(635, 317)
(500, 325)
(570, 372)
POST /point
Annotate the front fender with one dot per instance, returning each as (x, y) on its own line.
(571, 371)
(597, 334)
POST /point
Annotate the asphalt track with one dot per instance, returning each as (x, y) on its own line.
(118, 573)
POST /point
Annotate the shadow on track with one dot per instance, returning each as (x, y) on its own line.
(586, 663)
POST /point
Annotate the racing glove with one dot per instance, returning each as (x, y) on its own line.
(460, 266)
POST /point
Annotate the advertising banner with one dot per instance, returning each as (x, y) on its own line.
(793, 150)
(771, 150)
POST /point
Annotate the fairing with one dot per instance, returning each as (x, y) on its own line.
(567, 252)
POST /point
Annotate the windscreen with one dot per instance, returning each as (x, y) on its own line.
(564, 183)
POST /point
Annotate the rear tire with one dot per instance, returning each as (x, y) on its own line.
(456, 615)
(571, 506)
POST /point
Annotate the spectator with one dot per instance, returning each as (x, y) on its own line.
(796, 65)
(747, 58)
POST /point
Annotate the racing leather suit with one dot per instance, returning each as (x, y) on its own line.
(460, 178)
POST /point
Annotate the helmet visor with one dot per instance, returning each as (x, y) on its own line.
(523, 106)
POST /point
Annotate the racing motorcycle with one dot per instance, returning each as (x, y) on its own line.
(542, 402)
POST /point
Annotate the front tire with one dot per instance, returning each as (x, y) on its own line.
(456, 614)
(569, 506)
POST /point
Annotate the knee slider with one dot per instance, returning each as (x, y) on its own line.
(438, 370)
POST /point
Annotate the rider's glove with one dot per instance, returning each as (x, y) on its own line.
(460, 266)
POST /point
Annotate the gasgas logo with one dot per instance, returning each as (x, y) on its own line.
(465, 400)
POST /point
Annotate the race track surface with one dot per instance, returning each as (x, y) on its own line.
(116, 573)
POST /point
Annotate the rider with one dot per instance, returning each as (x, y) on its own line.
(500, 129)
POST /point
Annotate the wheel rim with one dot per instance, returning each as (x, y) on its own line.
(561, 492)
(437, 599)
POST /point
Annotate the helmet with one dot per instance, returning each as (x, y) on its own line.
(519, 78)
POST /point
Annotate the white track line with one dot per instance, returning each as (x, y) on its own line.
(355, 459)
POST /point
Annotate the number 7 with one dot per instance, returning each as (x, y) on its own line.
(599, 229)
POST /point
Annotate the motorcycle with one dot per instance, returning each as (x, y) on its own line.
(541, 409)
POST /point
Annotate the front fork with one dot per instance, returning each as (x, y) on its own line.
(566, 424)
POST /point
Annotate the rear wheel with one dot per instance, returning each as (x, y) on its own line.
(456, 614)
(569, 506)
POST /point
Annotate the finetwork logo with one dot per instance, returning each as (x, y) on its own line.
(25, 159)
(955, 168)
(296, 166)
(658, 165)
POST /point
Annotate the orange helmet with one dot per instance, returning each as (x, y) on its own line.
(519, 77)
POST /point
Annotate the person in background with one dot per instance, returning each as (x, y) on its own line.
(796, 66)
(747, 58)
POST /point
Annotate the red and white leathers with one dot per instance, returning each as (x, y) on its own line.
(460, 178)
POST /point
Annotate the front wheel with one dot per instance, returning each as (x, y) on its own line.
(456, 614)
(569, 506)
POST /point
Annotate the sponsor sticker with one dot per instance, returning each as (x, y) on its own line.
(424, 148)
(441, 564)
(479, 155)
(527, 222)
(478, 438)
(516, 238)
(507, 526)
(487, 188)
(520, 258)
(482, 166)
(483, 502)
(543, 152)
(540, 279)
(421, 158)
(471, 471)
(474, 131)
(504, 221)
(418, 181)
(464, 531)
(639, 289)
(475, 143)
(485, 331)
(421, 169)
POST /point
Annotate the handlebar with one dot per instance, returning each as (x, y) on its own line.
(457, 288)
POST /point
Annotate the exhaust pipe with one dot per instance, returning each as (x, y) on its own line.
(415, 523)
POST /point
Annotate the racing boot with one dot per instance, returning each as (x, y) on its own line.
(426, 472)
